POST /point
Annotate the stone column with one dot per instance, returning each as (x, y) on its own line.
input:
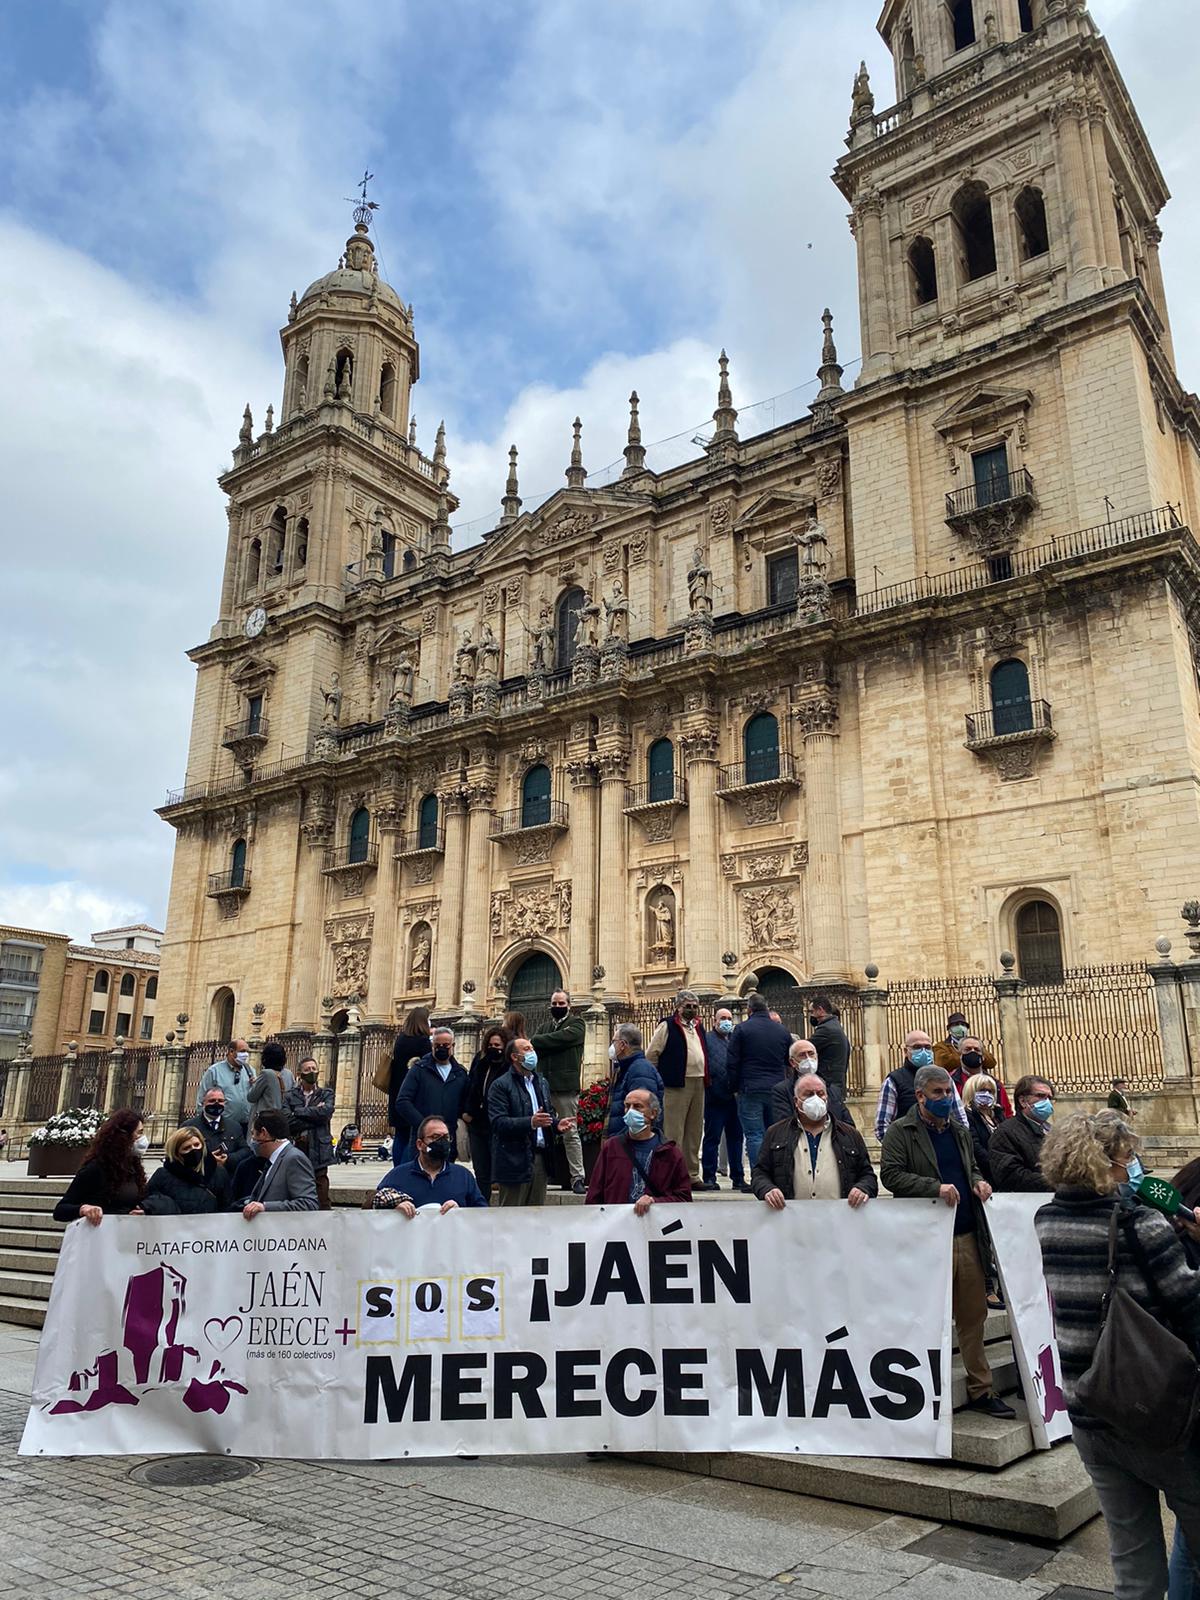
(476, 935)
(449, 922)
(66, 1081)
(596, 1064)
(112, 1081)
(1152, 238)
(1067, 117)
(1168, 1003)
(868, 217)
(172, 1080)
(583, 877)
(16, 1094)
(258, 1012)
(1107, 232)
(702, 913)
(303, 998)
(381, 983)
(1014, 1027)
(875, 1034)
(823, 887)
(614, 877)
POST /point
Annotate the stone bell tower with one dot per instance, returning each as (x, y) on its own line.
(1014, 325)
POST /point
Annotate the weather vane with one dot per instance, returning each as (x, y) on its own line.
(362, 206)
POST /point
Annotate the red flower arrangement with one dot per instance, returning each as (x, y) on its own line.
(593, 1112)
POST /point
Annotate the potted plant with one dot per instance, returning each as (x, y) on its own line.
(57, 1149)
(593, 1119)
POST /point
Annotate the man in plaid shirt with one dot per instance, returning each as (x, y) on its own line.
(898, 1094)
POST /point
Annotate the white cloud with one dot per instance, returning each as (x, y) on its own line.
(68, 907)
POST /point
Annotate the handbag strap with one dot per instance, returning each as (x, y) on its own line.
(1113, 1272)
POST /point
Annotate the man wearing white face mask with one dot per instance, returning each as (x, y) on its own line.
(812, 1157)
(521, 1115)
(233, 1076)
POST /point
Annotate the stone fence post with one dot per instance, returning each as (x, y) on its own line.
(596, 1042)
(349, 1062)
(255, 1041)
(112, 1083)
(1014, 1025)
(172, 1080)
(20, 1071)
(1170, 988)
(875, 1030)
(66, 1078)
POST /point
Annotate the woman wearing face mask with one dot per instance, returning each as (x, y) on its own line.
(1087, 1159)
(488, 1065)
(179, 1187)
(981, 1099)
(112, 1179)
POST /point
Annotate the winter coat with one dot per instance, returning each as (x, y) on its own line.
(514, 1139)
(635, 1072)
(423, 1094)
(560, 1053)
(266, 1092)
(227, 1133)
(981, 1137)
(482, 1076)
(407, 1046)
(758, 1054)
(666, 1176)
(720, 1089)
(908, 1167)
(179, 1191)
(668, 1051)
(91, 1186)
(783, 1102)
(1014, 1151)
(309, 1130)
(833, 1051)
(776, 1164)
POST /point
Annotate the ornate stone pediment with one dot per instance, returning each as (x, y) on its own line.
(984, 409)
(770, 510)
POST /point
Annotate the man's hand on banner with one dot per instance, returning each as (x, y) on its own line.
(252, 1208)
(642, 1204)
(857, 1197)
(775, 1199)
(983, 1190)
(948, 1194)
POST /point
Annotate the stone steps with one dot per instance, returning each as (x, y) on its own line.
(26, 1261)
(25, 1285)
(24, 1312)
(27, 1237)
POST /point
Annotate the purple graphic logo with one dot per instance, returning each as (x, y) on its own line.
(1045, 1378)
(155, 1308)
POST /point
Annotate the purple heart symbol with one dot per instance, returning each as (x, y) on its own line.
(221, 1332)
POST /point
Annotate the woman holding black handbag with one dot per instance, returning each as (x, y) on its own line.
(1132, 1456)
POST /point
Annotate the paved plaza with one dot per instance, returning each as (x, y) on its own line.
(531, 1528)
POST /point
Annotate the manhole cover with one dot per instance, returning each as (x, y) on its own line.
(194, 1472)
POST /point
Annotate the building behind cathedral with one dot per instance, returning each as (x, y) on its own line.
(910, 681)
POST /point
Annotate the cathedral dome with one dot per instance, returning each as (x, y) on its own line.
(356, 273)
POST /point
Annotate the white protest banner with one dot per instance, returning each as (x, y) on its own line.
(1030, 1312)
(356, 1335)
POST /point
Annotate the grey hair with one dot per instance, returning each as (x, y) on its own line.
(654, 1104)
(801, 1076)
(630, 1035)
(449, 1031)
(687, 994)
(927, 1075)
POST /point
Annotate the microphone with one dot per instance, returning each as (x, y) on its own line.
(1159, 1195)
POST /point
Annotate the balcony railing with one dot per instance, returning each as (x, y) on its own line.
(251, 728)
(232, 882)
(998, 490)
(20, 975)
(1030, 718)
(778, 768)
(661, 792)
(421, 841)
(547, 814)
(343, 857)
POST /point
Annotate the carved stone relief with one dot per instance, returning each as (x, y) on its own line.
(769, 918)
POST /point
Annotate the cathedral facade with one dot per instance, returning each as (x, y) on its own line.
(911, 681)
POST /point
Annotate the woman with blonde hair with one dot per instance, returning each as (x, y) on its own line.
(1087, 1159)
(179, 1188)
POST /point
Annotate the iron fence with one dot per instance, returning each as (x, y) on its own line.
(137, 1077)
(201, 1053)
(87, 1079)
(295, 1046)
(45, 1079)
(373, 1115)
(923, 1005)
(1099, 1023)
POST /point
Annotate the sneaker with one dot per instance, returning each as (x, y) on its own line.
(991, 1405)
(579, 1187)
(711, 1185)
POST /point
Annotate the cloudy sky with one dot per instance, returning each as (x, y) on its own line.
(578, 199)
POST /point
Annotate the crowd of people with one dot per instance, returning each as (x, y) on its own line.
(772, 1108)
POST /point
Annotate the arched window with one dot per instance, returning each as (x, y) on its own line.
(427, 823)
(569, 608)
(100, 986)
(760, 743)
(302, 542)
(152, 987)
(221, 1011)
(1039, 943)
(389, 553)
(127, 983)
(1025, 13)
(254, 564)
(237, 865)
(1030, 207)
(972, 213)
(660, 769)
(962, 20)
(360, 836)
(535, 797)
(276, 534)
(343, 370)
(387, 389)
(922, 263)
(300, 398)
(1012, 709)
(908, 56)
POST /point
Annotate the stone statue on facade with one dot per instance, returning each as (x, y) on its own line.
(488, 651)
(421, 957)
(699, 582)
(333, 701)
(662, 947)
(589, 624)
(543, 641)
(616, 613)
(814, 551)
(402, 685)
(464, 659)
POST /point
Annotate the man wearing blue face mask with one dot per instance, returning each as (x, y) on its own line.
(522, 1120)
(898, 1093)
(721, 1109)
(233, 1077)
(1015, 1151)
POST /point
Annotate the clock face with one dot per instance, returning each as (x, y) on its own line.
(256, 622)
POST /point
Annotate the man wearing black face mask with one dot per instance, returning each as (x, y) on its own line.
(310, 1108)
(435, 1087)
(430, 1179)
(488, 1065)
(560, 1050)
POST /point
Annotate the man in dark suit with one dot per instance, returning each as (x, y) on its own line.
(288, 1183)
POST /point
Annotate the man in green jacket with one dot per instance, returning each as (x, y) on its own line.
(928, 1155)
(560, 1056)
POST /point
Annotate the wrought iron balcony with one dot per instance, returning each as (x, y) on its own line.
(357, 857)
(541, 814)
(232, 882)
(779, 768)
(251, 728)
(421, 842)
(638, 796)
(1010, 736)
(1001, 489)
(21, 976)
